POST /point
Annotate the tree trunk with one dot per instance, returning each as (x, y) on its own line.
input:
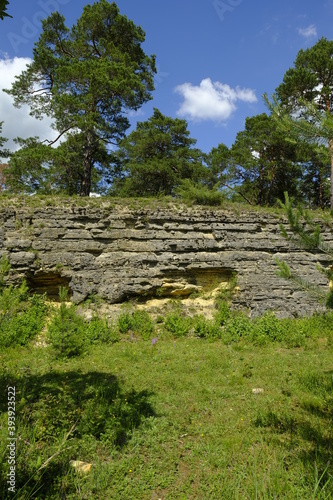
(87, 164)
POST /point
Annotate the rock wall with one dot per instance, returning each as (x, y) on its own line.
(121, 254)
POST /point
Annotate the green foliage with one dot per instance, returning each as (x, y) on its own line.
(66, 332)
(269, 328)
(223, 313)
(204, 328)
(177, 324)
(307, 234)
(3, 9)
(4, 270)
(305, 231)
(99, 331)
(138, 322)
(155, 157)
(70, 335)
(302, 104)
(85, 78)
(237, 328)
(219, 166)
(200, 194)
(21, 316)
(4, 153)
(265, 162)
(329, 300)
(36, 167)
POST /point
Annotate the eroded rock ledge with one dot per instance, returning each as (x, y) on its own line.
(121, 254)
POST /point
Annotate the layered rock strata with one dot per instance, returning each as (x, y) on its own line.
(123, 254)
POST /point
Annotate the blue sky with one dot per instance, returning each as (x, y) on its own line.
(215, 58)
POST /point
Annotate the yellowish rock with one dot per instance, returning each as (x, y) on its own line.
(82, 467)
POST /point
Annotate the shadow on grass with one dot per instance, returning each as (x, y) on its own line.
(313, 425)
(318, 427)
(67, 416)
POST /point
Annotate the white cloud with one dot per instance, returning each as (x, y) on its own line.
(211, 100)
(17, 122)
(309, 32)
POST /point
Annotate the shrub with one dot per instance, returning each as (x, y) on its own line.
(204, 328)
(66, 332)
(269, 328)
(138, 322)
(223, 314)
(237, 327)
(125, 322)
(99, 331)
(177, 325)
(21, 316)
(199, 195)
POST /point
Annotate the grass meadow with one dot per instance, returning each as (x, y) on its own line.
(172, 407)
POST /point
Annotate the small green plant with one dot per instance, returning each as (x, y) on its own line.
(223, 313)
(138, 322)
(66, 331)
(98, 331)
(59, 266)
(4, 270)
(237, 327)
(177, 324)
(199, 195)
(70, 335)
(269, 328)
(21, 315)
(205, 328)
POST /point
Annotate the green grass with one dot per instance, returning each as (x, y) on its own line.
(172, 420)
(25, 202)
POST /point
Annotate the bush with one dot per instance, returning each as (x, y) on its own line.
(269, 328)
(204, 328)
(177, 325)
(138, 322)
(69, 334)
(237, 327)
(21, 316)
(223, 314)
(199, 195)
(66, 332)
(98, 331)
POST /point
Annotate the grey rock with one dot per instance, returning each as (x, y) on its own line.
(123, 253)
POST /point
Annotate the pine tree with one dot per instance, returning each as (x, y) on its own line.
(3, 9)
(264, 162)
(306, 234)
(85, 78)
(156, 156)
(303, 103)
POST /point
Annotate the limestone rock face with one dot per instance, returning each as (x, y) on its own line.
(121, 254)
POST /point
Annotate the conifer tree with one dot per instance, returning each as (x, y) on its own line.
(303, 103)
(155, 157)
(306, 233)
(85, 78)
(3, 9)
